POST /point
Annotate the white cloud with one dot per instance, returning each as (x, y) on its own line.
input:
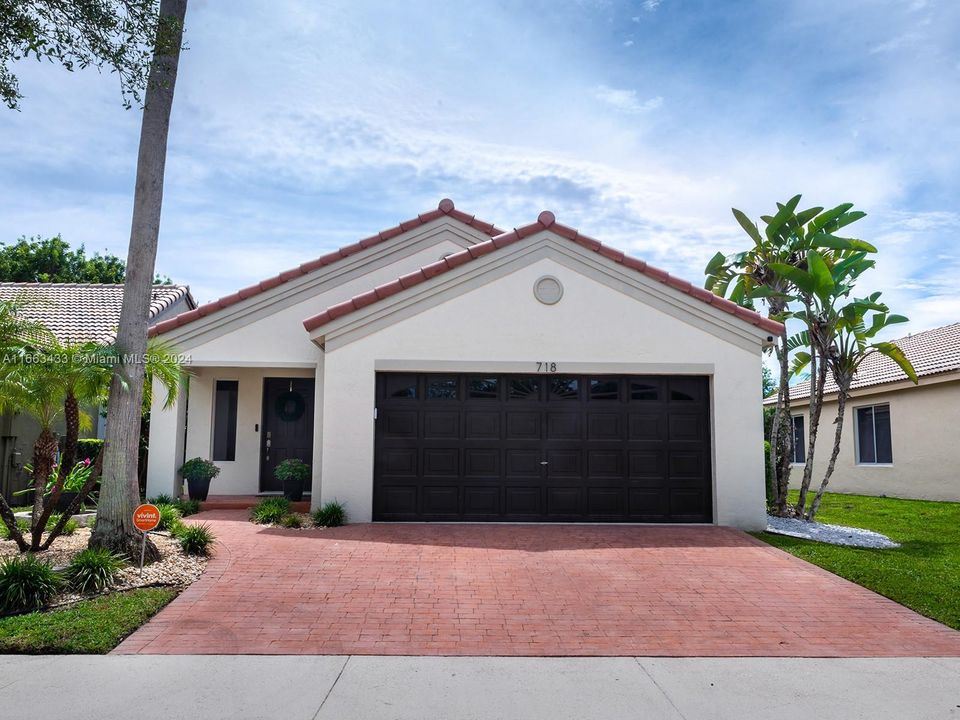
(651, 5)
(346, 128)
(628, 43)
(626, 100)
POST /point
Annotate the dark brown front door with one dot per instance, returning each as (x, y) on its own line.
(287, 427)
(492, 447)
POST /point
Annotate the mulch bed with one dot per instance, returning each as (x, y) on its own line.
(174, 569)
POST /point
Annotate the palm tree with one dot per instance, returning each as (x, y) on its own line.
(823, 281)
(36, 387)
(58, 382)
(756, 274)
(120, 490)
(854, 342)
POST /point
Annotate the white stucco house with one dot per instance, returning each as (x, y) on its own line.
(447, 370)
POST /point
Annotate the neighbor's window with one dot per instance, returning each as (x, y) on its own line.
(799, 442)
(225, 420)
(874, 446)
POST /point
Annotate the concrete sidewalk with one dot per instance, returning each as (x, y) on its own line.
(375, 687)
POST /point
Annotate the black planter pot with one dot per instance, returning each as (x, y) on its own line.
(198, 488)
(293, 489)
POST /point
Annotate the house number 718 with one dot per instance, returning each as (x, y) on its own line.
(546, 367)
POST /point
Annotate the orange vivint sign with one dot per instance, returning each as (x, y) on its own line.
(146, 517)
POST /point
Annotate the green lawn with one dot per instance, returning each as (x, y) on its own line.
(924, 574)
(91, 626)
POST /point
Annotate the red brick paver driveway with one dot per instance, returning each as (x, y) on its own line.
(524, 590)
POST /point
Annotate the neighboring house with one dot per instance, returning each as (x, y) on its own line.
(446, 370)
(75, 313)
(899, 439)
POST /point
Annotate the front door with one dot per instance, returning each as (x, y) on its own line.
(287, 427)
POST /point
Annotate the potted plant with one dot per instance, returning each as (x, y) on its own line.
(198, 473)
(293, 473)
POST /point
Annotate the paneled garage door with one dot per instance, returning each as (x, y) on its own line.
(563, 448)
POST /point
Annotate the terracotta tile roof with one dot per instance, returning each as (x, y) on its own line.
(83, 312)
(445, 208)
(544, 221)
(932, 352)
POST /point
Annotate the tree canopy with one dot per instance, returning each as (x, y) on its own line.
(51, 260)
(117, 35)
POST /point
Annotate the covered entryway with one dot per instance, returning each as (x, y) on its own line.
(541, 448)
(287, 426)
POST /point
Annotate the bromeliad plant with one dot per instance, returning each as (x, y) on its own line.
(803, 271)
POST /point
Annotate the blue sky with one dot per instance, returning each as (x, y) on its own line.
(302, 126)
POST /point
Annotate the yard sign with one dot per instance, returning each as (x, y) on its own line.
(145, 518)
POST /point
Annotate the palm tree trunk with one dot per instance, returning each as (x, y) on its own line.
(818, 377)
(838, 433)
(781, 438)
(120, 492)
(71, 418)
(71, 421)
(44, 451)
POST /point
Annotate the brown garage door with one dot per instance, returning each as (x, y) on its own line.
(563, 448)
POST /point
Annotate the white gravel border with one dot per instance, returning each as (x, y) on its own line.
(832, 534)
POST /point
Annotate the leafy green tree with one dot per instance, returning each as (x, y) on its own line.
(50, 260)
(116, 35)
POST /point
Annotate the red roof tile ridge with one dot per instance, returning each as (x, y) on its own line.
(547, 221)
(445, 207)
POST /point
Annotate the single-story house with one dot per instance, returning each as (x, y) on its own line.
(75, 313)
(899, 439)
(447, 370)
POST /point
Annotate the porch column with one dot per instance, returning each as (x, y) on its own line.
(165, 456)
(317, 434)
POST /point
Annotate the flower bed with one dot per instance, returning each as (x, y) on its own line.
(175, 569)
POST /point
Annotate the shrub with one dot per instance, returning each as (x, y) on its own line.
(292, 520)
(169, 518)
(89, 448)
(27, 584)
(331, 514)
(187, 507)
(69, 528)
(199, 469)
(292, 469)
(161, 499)
(196, 539)
(270, 511)
(93, 570)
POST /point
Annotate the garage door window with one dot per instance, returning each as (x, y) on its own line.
(525, 389)
(644, 390)
(564, 389)
(442, 389)
(481, 388)
(401, 387)
(604, 389)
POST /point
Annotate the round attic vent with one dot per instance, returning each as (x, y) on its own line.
(548, 290)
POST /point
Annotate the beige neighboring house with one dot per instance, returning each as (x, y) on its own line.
(446, 370)
(899, 439)
(75, 313)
